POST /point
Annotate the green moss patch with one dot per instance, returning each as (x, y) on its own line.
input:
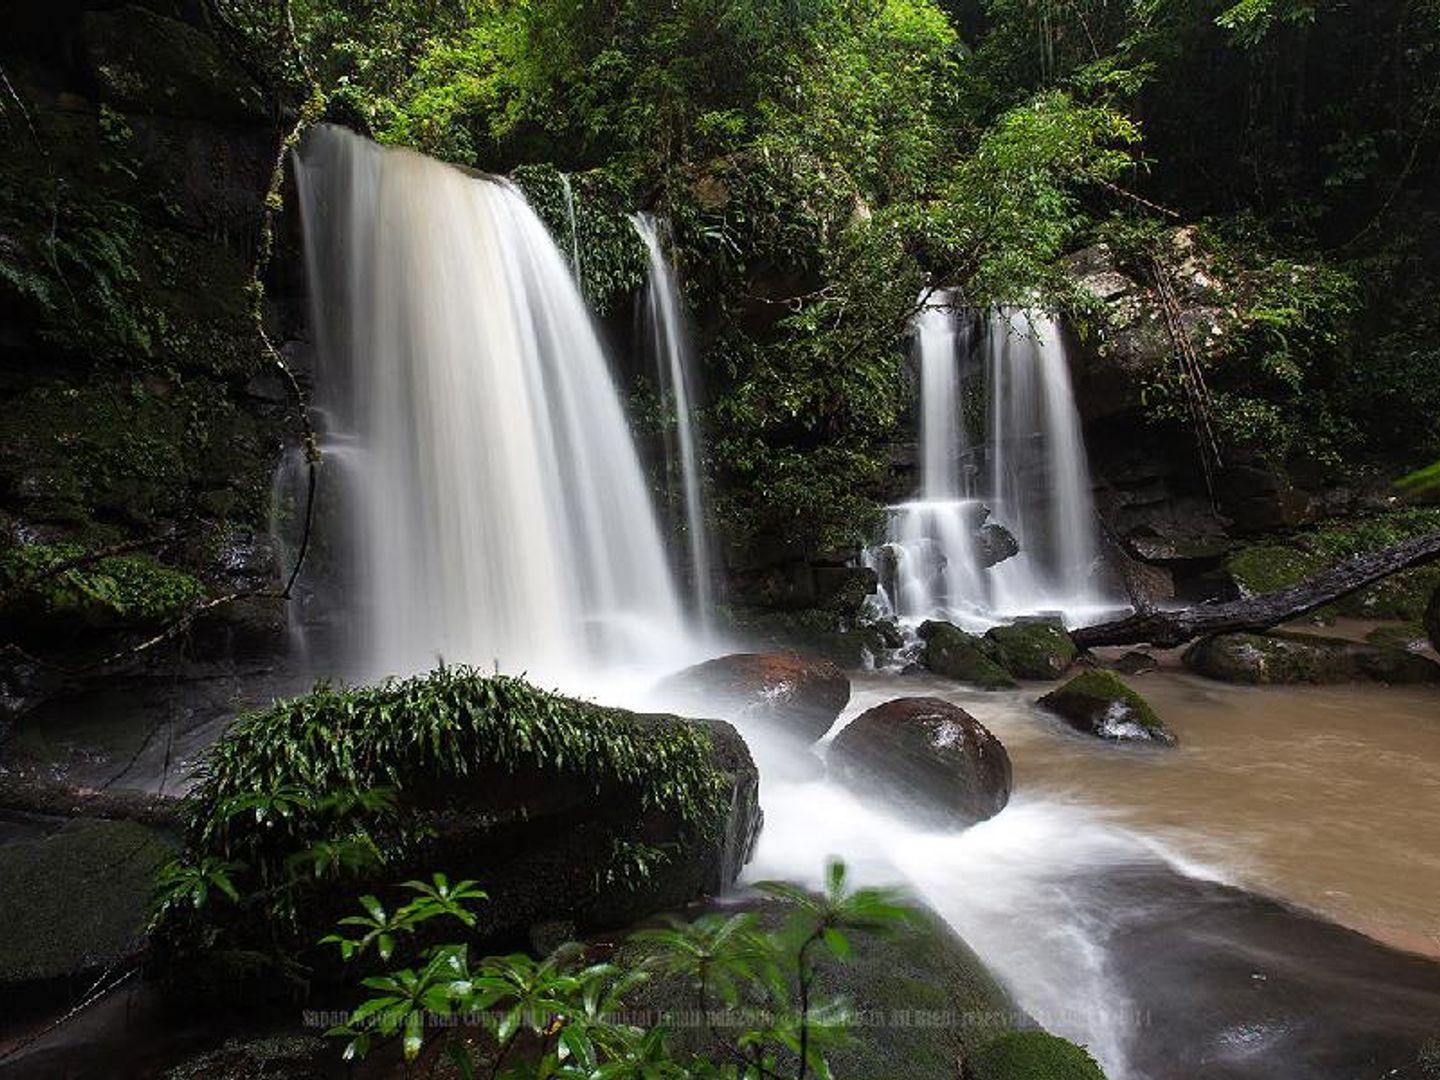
(1268, 567)
(954, 654)
(74, 901)
(1284, 658)
(118, 590)
(1032, 1055)
(1100, 703)
(1032, 648)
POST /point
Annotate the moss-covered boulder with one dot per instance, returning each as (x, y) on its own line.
(1305, 658)
(1265, 568)
(923, 1000)
(1098, 702)
(1033, 648)
(954, 654)
(561, 809)
(927, 755)
(799, 694)
(73, 902)
(1031, 1055)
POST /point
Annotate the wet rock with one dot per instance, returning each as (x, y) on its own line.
(800, 694)
(1408, 635)
(951, 652)
(994, 544)
(1031, 1055)
(1304, 658)
(931, 757)
(1135, 662)
(1098, 702)
(903, 981)
(1033, 648)
(72, 903)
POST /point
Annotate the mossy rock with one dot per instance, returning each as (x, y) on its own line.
(560, 808)
(954, 654)
(72, 903)
(1031, 1055)
(1405, 635)
(1268, 567)
(923, 1000)
(1035, 648)
(1098, 702)
(122, 590)
(1285, 658)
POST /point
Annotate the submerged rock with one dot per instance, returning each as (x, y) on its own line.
(1304, 658)
(951, 652)
(73, 903)
(801, 694)
(931, 757)
(1031, 1055)
(1098, 702)
(1134, 662)
(1033, 648)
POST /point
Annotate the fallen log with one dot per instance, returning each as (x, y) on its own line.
(1254, 613)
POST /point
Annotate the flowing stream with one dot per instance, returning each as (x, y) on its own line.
(503, 517)
(668, 341)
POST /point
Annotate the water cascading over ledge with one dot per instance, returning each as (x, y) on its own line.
(1028, 473)
(491, 488)
(667, 338)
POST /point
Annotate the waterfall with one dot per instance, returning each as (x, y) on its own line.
(1034, 482)
(572, 223)
(1040, 477)
(499, 513)
(665, 323)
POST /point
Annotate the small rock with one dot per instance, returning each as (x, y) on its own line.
(928, 755)
(994, 544)
(1135, 662)
(1033, 648)
(1099, 703)
(1282, 658)
(802, 694)
(951, 652)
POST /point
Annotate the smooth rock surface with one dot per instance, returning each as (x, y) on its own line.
(800, 694)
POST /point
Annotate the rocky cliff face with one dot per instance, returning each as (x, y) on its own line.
(138, 413)
(1150, 484)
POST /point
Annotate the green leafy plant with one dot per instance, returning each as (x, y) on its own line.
(567, 1015)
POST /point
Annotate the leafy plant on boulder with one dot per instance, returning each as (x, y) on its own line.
(564, 809)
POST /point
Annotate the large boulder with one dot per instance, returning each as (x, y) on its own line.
(73, 902)
(561, 809)
(954, 654)
(1304, 658)
(1033, 648)
(800, 694)
(931, 757)
(1098, 702)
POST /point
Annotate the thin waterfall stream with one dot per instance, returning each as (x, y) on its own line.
(667, 338)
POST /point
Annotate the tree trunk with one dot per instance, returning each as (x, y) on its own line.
(1171, 628)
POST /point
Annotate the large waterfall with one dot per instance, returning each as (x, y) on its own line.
(1028, 473)
(664, 324)
(496, 500)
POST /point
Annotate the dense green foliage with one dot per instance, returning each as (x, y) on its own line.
(336, 781)
(60, 580)
(566, 1015)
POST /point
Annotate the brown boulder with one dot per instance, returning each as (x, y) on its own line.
(928, 755)
(801, 694)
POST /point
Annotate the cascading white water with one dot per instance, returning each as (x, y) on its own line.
(503, 517)
(1036, 482)
(1039, 473)
(669, 342)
